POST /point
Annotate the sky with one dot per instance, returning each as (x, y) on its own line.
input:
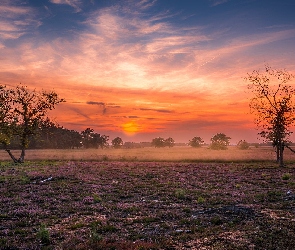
(147, 68)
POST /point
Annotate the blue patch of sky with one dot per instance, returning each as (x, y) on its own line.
(228, 19)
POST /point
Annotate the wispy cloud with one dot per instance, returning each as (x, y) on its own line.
(73, 3)
(96, 103)
(157, 110)
(16, 21)
(218, 2)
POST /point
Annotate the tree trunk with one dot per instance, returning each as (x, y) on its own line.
(22, 156)
(278, 152)
(11, 155)
(20, 159)
(281, 151)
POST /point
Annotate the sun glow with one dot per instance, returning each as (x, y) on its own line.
(130, 128)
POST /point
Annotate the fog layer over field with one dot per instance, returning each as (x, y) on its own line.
(156, 154)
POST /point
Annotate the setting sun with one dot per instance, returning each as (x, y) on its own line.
(130, 128)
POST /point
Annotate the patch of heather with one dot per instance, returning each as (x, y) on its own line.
(147, 205)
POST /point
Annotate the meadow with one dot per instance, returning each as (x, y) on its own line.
(183, 153)
(171, 198)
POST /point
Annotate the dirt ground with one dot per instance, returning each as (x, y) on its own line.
(146, 205)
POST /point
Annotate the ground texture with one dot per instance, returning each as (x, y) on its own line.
(147, 205)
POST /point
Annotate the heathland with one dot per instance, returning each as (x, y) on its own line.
(167, 198)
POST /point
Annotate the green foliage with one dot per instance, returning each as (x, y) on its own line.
(286, 176)
(43, 235)
(180, 193)
(242, 144)
(97, 198)
(219, 142)
(200, 200)
(196, 142)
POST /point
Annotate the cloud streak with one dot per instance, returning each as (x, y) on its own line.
(73, 3)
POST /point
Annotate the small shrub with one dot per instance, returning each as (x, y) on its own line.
(216, 220)
(77, 226)
(200, 200)
(179, 193)
(242, 144)
(43, 235)
(286, 176)
(97, 198)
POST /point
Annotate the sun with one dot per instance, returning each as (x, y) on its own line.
(130, 128)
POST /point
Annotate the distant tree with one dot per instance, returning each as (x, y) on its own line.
(273, 105)
(169, 142)
(93, 140)
(104, 141)
(219, 141)
(117, 142)
(196, 142)
(52, 135)
(87, 137)
(24, 111)
(242, 144)
(158, 142)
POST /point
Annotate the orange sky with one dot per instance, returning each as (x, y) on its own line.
(125, 71)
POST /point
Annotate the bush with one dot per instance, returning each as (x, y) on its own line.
(242, 144)
(43, 235)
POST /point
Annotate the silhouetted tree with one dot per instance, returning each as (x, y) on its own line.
(25, 111)
(273, 106)
(87, 136)
(196, 142)
(93, 140)
(117, 142)
(219, 141)
(242, 144)
(52, 135)
(158, 142)
(169, 142)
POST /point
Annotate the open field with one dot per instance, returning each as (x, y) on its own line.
(156, 154)
(147, 205)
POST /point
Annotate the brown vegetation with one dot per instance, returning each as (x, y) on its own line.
(146, 205)
(185, 154)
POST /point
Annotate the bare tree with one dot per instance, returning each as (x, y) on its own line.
(24, 111)
(273, 106)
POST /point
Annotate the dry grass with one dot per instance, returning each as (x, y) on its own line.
(155, 154)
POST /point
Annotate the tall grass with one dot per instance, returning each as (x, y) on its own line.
(156, 154)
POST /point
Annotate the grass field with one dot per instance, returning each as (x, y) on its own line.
(156, 154)
(185, 200)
